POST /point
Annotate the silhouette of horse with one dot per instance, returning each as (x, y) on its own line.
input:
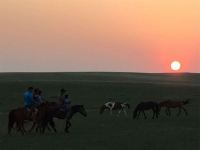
(174, 104)
(115, 106)
(50, 110)
(43, 110)
(18, 116)
(141, 107)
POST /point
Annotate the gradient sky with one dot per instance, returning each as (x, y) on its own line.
(99, 35)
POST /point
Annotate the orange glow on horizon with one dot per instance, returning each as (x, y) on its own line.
(106, 35)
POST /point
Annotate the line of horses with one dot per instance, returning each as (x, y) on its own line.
(44, 117)
(149, 105)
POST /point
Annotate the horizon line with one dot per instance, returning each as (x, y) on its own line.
(98, 72)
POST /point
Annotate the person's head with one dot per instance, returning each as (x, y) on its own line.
(62, 91)
(66, 96)
(30, 88)
(40, 92)
(36, 91)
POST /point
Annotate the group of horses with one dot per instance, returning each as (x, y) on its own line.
(43, 118)
(149, 105)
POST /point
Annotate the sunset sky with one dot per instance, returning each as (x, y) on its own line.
(99, 35)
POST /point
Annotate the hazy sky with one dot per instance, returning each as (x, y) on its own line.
(99, 35)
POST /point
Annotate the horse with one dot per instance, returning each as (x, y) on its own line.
(43, 109)
(174, 104)
(52, 111)
(18, 116)
(141, 107)
(120, 106)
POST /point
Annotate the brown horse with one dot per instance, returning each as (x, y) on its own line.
(40, 118)
(174, 104)
(18, 116)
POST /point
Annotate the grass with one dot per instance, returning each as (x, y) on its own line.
(105, 132)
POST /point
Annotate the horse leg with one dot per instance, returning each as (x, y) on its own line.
(166, 111)
(186, 113)
(145, 117)
(44, 123)
(125, 113)
(33, 126)
(138, 115)
(119, 112)
(52, 124)
(49, 127)
(39, 127)
(20, 127)
(68, 125)
(179, 112)
(169, 112)
(153, 114)
(111, 112)
(23, 127)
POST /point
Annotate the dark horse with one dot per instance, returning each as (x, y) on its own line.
(141, 107)
(50, 111)
(17, 117)
(174, 104)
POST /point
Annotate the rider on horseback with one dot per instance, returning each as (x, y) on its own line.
(67, 103)
(37, 98)
(28, 98)
(64, 101)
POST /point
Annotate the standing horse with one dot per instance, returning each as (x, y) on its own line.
(18, 116)
(174, 104)
(114, 106)
(141, 107)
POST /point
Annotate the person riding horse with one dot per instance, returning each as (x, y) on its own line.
(28, 98)
(37, 98)
(30, 104)
(64, 101)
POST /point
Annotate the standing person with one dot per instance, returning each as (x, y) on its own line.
(28, 98)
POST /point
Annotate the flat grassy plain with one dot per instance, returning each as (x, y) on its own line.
(105, 132)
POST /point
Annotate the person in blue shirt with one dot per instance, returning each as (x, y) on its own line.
(28, 98)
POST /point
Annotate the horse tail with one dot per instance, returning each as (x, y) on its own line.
(11, 120)
(135, 112)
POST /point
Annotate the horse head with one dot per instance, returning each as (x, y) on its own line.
(102, 109)
(83, 111)
(127, 105)
(78, 108)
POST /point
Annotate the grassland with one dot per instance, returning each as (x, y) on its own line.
(105, 132)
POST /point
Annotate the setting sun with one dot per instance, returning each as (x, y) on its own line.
(175, 65)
